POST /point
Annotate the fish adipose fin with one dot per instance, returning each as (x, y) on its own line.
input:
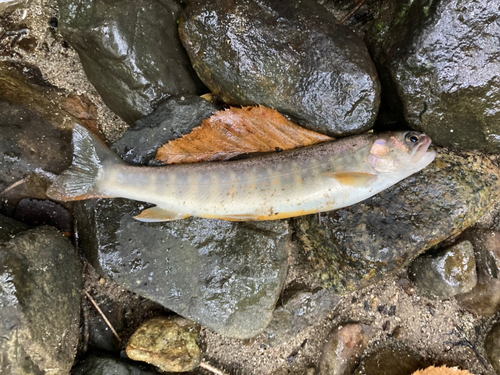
(156, 214)
(79, 181)
(355, 179)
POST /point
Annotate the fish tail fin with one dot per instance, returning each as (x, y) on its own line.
(90, 157)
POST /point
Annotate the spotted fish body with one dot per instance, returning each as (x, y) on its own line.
(313, 179)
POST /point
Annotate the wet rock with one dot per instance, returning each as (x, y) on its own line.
(224, 275)
(294, 57)
(445, 273)
(298, 308)
(342, 352)
(492, 347)
(169, 343)
(130, 51)
(172, 119)
(39, 304)
(23, 84)
(43, 212)
(442, 60)
(101, 337)
(361, 244)
(10, 227)
(484, 298)
(104, 365)
(32, 152)
(393, 361)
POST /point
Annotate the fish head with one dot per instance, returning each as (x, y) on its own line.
(393, 151)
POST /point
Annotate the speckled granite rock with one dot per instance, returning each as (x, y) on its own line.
(168, 343)
(39, 304)
(445, 273)
(130, 51)
(359, 245)
(492, 347)
(439, 63)
(293, 57)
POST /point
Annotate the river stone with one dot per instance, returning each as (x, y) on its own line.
(223, 275)
(390, 361)
(299, 307)
(10, 227)
(445, 273)
(172, 119)
(359, 245)
(10, 5)
(345, 346)
(442, 59)
(492, 347)
(39, 304)
(130, 51)
(169, 343)
(484, 298)
(32, 151)
(293, 57)
(99, 364)
(23, 84)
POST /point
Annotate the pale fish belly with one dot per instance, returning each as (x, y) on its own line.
(242, 191)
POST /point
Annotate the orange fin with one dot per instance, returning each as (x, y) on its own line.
(156, 214)
(354, 179)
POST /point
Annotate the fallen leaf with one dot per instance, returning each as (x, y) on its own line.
(237, 131)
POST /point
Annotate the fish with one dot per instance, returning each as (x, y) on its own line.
(307, 180)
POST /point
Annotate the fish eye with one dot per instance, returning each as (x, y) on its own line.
(412, 137)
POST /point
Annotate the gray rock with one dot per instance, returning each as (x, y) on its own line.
(169, 343)
(172, 119)
(447, 272)
(104, 365)
(484, 298)
(43, 212)
(492, 347)
(442, 59)
(361, 244)
(130, 51)
(39, 304)
(294, 57)
(32, 150)
(344, 349)
(224, 275)
(10, 227)
(298, 308)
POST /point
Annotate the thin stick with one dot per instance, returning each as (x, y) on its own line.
(354, 10)
(213, 369)
(102, 314)
(14, 185)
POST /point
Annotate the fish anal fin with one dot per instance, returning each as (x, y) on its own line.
(355, 179)
(156, 214)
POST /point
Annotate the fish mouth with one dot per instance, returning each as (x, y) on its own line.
(424, 143)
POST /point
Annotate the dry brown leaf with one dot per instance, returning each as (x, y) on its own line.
(238, 131)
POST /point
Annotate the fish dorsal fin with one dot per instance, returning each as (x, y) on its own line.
(156, 214)
(355, 179)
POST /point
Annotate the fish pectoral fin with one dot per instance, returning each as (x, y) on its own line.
(354, 179)
(156, 214)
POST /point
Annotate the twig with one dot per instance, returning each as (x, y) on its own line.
(213, 369)
(14, 185)
(354, 10)
(102, 314)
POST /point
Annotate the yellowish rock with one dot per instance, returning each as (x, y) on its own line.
(170, 343)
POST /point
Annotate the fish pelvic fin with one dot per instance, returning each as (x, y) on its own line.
(354, 179)
(79, 181)
(156, 214)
